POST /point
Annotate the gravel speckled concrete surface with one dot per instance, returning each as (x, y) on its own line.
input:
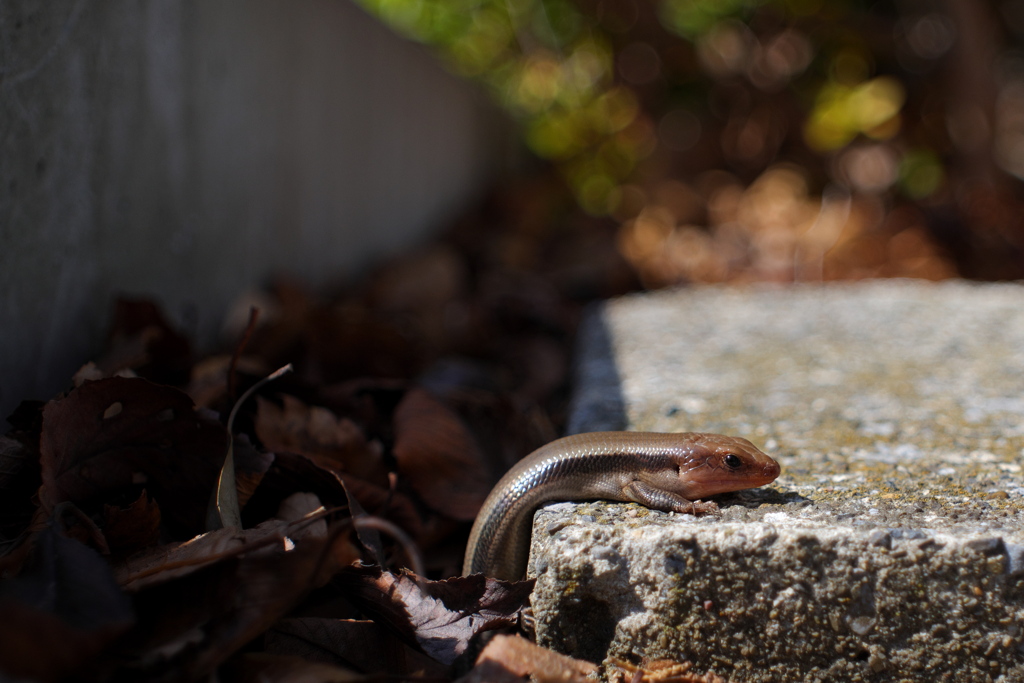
(892, 546)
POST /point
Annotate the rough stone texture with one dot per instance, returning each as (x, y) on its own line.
(186, 150)
(892, 546)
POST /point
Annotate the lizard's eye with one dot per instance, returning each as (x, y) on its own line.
(732, 461)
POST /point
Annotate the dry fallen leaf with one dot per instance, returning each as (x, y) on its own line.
(251, 464)
(258, 667)
(348, 340)
(514, 658)
(290, 472)
(199, 602)
(356, 644)
(439, 456)
(422, 289)
(110, 438)
(317, 433)
(441, 617)
(168, 562)
(133, 527)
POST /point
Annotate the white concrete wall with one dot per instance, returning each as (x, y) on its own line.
(186, 149)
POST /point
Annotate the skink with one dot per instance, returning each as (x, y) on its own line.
(668, 472)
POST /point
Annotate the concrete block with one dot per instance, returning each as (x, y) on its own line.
(892, 546)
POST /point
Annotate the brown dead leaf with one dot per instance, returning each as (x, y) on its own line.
(515, 658)
(361, 645)
(168, 562)
(369, 401)
(491, 672)
(110, 438)
(134, 527)
(421, 290)
(287, 474)
(316, 432)
(61, 611)
(439, 456)
(172, 561)
(504, 428)
(257, 667)
(351, 340)
(381, 502)
(441, 617)
(199, 602)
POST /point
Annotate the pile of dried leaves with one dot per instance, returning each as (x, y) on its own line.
(171, 518)
(129, 555)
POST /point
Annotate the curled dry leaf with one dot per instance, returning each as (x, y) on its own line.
(441, 617)
(287, 474)
(515, 658)
(60, 612)
(166, 563)
(112, 437)
(316, 432)
(361, 645)
(439, 456)
(251, 464)
(290, 472)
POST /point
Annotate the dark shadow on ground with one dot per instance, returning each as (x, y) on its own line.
(597, 403)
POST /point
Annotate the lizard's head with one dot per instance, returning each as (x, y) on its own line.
(718, 464)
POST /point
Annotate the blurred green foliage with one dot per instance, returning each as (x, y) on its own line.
(550, 66)
(617, 91)
(693, 18)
